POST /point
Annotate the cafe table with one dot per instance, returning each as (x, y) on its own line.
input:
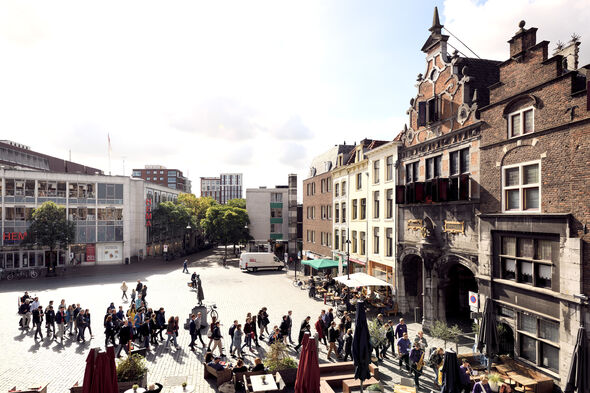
(259, 386)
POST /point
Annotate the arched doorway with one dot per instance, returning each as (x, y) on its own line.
(505, 339)
(460, 280)
(412, 283)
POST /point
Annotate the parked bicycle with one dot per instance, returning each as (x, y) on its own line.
(21, 273)
(212, 311)
(299, 283)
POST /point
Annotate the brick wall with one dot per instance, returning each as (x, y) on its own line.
(318, 224)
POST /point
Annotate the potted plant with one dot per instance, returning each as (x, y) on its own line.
(378, 335)
(278, 360)
(494, 380)
(131, 371)
(376, 387)
(135, 387)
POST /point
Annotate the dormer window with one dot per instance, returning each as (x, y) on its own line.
(521, 122)
(428, 111)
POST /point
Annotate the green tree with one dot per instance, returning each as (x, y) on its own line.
(49, 227)
(197, 206)
(226, 225)
(238, 202)
(169, 221)
(445, 333)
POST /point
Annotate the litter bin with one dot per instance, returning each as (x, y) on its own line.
(127, 261)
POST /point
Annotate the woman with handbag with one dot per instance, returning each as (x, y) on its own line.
(171, 333)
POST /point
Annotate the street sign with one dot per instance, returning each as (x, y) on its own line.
(473, 301)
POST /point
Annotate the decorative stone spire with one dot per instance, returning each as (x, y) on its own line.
(436, 26)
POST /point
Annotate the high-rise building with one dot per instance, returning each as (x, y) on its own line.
(171, 178)
(226, 187)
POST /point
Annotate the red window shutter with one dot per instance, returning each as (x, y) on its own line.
(443, 190)
(464, 187)
(400, 194)
(419, 192)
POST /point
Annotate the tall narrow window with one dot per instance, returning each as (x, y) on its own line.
(521, 122)
(376, 207)
(522, 185)
(354, 209)
(363, 208)
(375, 240)
(389, 242)
(389, 205)
(389, 168)
(376, 171)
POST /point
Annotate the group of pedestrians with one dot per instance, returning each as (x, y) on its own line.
(140, 324)
(60, 320)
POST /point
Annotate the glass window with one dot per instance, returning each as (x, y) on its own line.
(511, 177)
(530, 174)
(376, 206)
(543, 250)
(526, 272)
(522, 188)
(528, 121)
(376, 240)
(550, 357)
(389, 169)
(515, 124)
(376, 171)
(354, 242)
(525, 247)
(389, 245)
(549, 330)
(389, 207)
(433, 167)
(506, 312)
(528, 348)
(528, 323)
(363, 208)
(508, 269)
(354, 209)
(362, 237)
(543, 277)
(508, 245)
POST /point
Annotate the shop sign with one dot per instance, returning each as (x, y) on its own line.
(14, 236)
(148, 212)
(454, 226)
(90, 253)
(111, 253)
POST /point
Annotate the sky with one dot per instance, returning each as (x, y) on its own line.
(258, 87)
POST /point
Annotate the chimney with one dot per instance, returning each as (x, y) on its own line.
(570, 53)
(522, 40)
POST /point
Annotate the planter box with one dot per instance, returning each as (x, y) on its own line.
(289, 376)
(123, 386)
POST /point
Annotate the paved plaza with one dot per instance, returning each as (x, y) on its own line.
(27, 362)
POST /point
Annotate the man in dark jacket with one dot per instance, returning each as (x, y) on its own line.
(25, 311)
(290, 322)
(231, 331)
(192, 329)
(81, 322)
(161, 320)
(125, 336)
(304, 328)
(284, 329)
(50, 320)
(38, 321)
(60, 319)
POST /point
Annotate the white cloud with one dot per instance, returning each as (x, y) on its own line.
(486, 26)
(293, 129)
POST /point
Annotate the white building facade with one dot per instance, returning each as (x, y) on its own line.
(109, 212)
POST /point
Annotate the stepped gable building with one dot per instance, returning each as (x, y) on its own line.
(317, 204)
(438, 192)
(535, 212)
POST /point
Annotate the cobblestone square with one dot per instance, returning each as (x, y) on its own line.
(30, 363)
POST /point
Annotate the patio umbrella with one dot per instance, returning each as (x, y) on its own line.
(100, 381)
(361, 347)
(311, 372)
(303, 358)
(487, 339)
(579, 375)
(89, 371)
(112, 370)
(451, 383)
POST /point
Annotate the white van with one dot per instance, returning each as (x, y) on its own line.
(253, 261)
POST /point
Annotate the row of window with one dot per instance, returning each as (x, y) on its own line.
(357, 241)
(325, 186)
(377, 170)
(170, 179)
(538, 338)
(325, 238)
(527, 260)
(21, 158)
(458, 164)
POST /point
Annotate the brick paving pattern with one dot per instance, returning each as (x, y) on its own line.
(29, 363)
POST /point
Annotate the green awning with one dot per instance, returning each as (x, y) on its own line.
(322, 263)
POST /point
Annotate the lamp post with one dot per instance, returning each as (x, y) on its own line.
(348, 253)
(187, 241)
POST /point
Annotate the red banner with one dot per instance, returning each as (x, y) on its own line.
(90, 253)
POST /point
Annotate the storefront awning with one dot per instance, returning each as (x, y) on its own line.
(362, 280)
(318, 264)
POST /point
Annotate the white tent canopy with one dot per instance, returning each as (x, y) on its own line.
(362, 280)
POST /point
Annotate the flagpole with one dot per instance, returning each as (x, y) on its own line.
(109, 151)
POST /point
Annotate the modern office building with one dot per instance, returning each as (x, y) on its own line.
(223, 188)
(158, 174)
(273, 216)
(111, 215)
(18, 156)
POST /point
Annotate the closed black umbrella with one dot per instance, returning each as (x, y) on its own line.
(361, 347)
(579, 374)
(451, 382)
(487, 340)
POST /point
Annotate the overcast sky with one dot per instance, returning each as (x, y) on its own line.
(258, 87)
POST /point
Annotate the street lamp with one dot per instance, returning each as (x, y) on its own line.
(348, 253)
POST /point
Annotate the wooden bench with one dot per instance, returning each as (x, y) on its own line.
(335, 374)
(221, 376)
(350, 385)
(325, 387)
(336, 367)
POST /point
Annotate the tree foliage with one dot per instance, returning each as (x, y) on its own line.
(225, 224)
(238, 202)
(445, 333)
(197, 206)
(49, 227)
(169, 220)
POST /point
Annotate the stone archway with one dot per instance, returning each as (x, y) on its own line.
(454, 286)
(410, 283)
